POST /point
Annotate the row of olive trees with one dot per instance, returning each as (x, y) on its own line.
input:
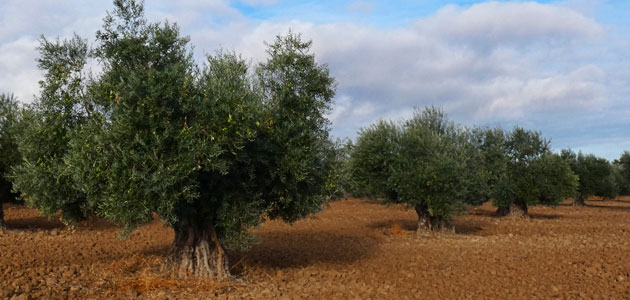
(212, 149)
(437, 167)
(218, 148)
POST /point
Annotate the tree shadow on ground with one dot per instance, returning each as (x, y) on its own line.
(412, 225)
(537, 216)
(492, 213)
(405, 224)
(482, 212)
(34, 223)
(54, 222)
(467, 229)
(616, 208)
(300, 249)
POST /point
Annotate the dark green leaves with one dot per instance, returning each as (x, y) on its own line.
(207, 145)
(421, 163)
(10, 129)
(44, 178)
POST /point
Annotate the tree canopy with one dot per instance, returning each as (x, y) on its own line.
(213, 149)
(421, 163)
(594, 175)
(533, 175)
(10, 118)
(43, 176)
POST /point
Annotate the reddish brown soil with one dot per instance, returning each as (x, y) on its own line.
(352, 250)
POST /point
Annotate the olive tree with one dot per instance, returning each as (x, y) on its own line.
(622, 173)
(339, 182)
(372, 160)
(486, 163)
(533, 175)
(430, 171)
(594, 175)
(421, 163)
(10, 115)
(42, 177)
(212, 149)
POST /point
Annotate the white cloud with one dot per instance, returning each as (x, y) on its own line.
(521, 23)
(362, 7)
(19, 74)
(512, 97)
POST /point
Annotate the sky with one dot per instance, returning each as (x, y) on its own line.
(559, 67)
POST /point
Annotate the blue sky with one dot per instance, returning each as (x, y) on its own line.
(561, 67)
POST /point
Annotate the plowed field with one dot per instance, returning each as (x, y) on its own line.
(352, 250)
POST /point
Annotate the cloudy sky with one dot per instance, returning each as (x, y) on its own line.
(561, 67)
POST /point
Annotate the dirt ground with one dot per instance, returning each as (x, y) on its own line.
(354, 249)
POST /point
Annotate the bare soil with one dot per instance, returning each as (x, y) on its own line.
(354, 249)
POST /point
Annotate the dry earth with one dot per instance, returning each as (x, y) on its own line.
(352, 250)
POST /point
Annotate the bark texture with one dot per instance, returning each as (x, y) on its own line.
(427, 222)
(517, 209)
(579, 201)
(197, 251)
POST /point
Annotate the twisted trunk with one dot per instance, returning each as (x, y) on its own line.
(197, 251)
(517, 208)
(579, 201)
(427, 222)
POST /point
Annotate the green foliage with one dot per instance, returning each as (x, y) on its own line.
(372, 160)
(533, 174)
(297, 93)
(214, 146)
(622, 175)
(594, 173)
(555, 181)
(430, 168)
(10, 118)
(339, 181)
(421, 163)
(43, 177)
(486, 163)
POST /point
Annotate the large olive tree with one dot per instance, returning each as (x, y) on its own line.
(212, 149)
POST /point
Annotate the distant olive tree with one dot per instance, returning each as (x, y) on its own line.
(421, 163)
(486, 163)
(622, 173)
(339, 183)
(594, 175)
(372, 160)
(10, 118)
(533, 175)
(43, 176)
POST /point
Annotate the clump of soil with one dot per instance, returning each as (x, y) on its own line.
(352, 250)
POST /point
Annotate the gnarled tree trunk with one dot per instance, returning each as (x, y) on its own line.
(579, 201)
(197, 251)
(516, 208)
(427, 222)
